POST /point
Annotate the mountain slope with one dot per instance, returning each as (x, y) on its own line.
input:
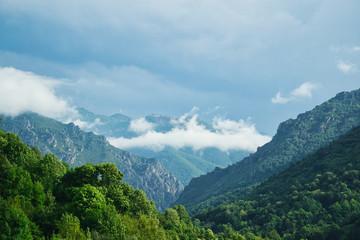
(316, 198)
(184, 163)
(76, 147)
(295, 138)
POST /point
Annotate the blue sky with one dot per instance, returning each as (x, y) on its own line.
(267, 60)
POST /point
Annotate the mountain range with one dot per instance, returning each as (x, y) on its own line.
(77, 147)
(294, 140)
(184, 163)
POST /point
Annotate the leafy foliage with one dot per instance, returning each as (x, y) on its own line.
(315, 198)
(41, 198)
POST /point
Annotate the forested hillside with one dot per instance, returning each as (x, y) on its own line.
(42, 198)
(76, 147)
(315, 198)
(295, 139)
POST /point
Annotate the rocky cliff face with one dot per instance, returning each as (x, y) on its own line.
(76, 147)
(295, 139)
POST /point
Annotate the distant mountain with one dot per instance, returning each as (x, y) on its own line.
(110, 126)
(295, 139)
(184, 163)
(315, 198)
(76, 147)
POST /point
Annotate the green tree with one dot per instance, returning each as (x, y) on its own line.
(209, 235)
(172, 218)
(50, 171)
(88, 203)
(14, 224)
(69, 227)
(108, 175)
(111, 224)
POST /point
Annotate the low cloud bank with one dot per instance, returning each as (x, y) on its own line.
(25, 91)
(188, 132)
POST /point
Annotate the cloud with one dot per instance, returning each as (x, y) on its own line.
(25, 91)
(303, 91)
(135, 90)
(356, 49)
(141, 126)
(346, 67)
(278, 99)
(176, 33)
(87, 126)
(226, 135)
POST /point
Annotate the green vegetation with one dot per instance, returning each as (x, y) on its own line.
(294, 140)
(315, 198)
(42, 198)
(72, 145)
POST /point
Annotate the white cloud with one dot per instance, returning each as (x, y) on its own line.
(226, 135)
(25, 91)
(346, 67)
(278, 99)
(87, 126)
(303, 91)
(141, 126)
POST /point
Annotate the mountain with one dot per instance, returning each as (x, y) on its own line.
(42, 198)
(76, 147)
(110, 126)
(295, 139)
(184, 163)
(317, 197)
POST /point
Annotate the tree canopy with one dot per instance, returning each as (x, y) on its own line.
(42, 198)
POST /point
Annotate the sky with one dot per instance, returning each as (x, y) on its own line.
(259, 61)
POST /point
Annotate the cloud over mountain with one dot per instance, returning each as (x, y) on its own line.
(189, 132)
(25, 91)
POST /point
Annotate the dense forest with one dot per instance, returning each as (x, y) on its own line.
(42, 198)
(315, 198)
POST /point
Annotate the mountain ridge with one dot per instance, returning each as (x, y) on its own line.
(317, 197)
(295, 138)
